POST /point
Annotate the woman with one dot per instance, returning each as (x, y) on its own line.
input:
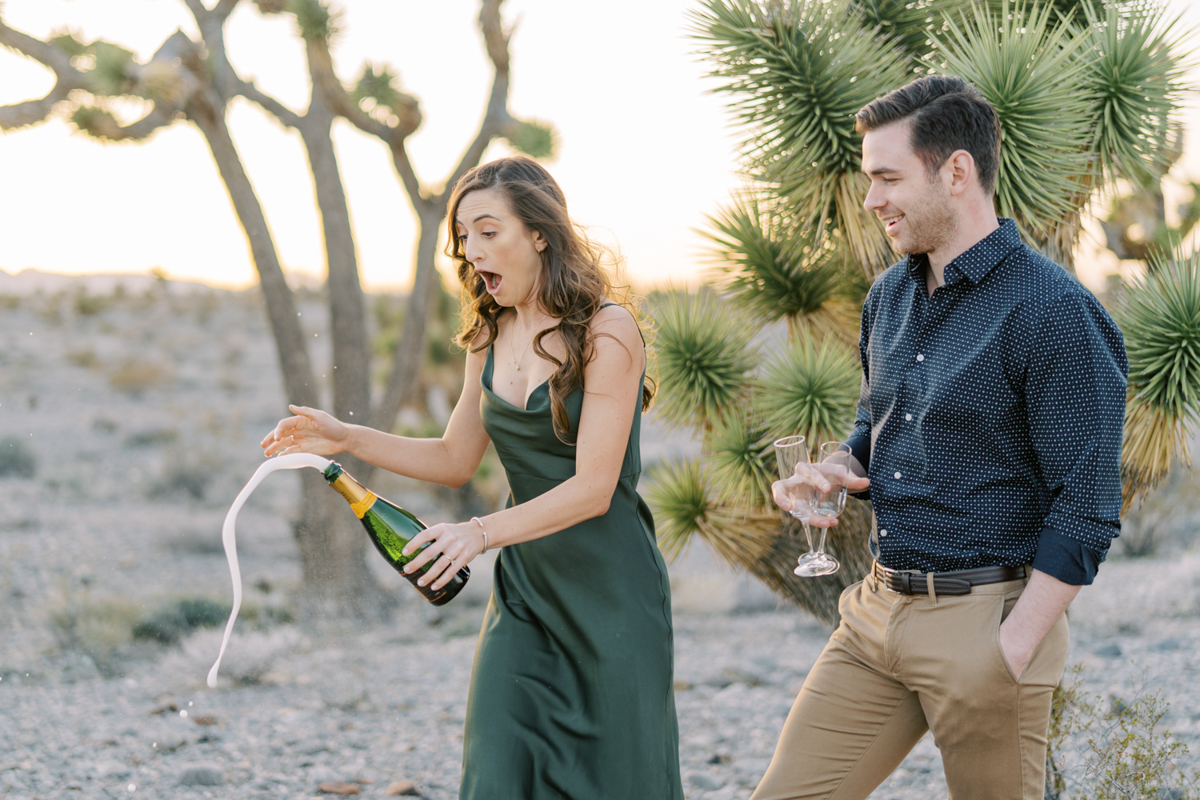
(571, 692)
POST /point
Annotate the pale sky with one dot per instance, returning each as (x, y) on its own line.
(644, 152)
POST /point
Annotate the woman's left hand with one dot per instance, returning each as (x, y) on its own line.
(453, 545)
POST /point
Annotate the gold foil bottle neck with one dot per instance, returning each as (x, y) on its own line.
(358, 496)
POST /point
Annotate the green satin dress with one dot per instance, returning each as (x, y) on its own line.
(572, 694)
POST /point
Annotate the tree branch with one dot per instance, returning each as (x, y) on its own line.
(496, 118)
(104, 126)
(68, 78)
(408, 175)
(43, 52)
(32, 112)
(269, 104)
(225, 8)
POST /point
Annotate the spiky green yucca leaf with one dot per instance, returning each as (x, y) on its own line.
(110, 75)
(1134, 84)
(740, 459)
(68, 42)
(703, 355)
(314, 20)
(797, 72)
(904, 22)
(534, 138)
(770, 268)
(1027, 64)
(809, 390)
(678, 494)
(378, 84)
(1160, 318)
(683, 506)
(95, 122)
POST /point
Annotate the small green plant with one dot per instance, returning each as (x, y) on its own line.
(17, 457)
(176, 620)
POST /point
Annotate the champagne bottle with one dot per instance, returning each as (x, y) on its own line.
(390, 528)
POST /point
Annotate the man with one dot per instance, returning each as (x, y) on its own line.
(990, 423)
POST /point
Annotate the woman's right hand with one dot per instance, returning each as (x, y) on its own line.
(310, 431)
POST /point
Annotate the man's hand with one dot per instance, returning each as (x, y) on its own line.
(794, 494)
(1044, 600)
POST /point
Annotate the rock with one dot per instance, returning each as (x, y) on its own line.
(205, 721)
(339, 787)
(168, 744)
(112, 769)
(1108, 651)
(719, 758)
(402, 787)
(702, 780)
(324, 775)
(1167, 645)
(202, 775)
(738, 675)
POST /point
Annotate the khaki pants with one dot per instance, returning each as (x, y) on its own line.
(899, 665)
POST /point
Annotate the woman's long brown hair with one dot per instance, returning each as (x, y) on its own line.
(574, 283)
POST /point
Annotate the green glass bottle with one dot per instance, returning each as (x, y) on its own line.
(390, 528)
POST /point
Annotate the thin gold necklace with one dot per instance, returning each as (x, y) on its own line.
(512, 347)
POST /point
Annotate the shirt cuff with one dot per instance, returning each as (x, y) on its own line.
(860, 448)
(1069, 560)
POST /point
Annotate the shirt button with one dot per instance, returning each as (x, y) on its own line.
(897, 476)
(883, 532)
(920, 357)
(908, 417)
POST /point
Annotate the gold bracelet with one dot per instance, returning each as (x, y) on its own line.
(485, 543)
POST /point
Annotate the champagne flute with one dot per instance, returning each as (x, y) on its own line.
(791, 451)
(838, 465)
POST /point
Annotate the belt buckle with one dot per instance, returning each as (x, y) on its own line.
(887, 573)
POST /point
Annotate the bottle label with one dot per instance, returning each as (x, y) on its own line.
(363, 505)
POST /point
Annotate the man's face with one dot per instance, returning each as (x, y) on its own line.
(915, 207)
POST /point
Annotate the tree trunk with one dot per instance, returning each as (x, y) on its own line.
(298, 380)
(351, 352)
(410, 354)
(336, 583)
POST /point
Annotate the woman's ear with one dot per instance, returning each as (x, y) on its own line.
(539, 241)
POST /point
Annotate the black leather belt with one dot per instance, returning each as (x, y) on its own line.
(947, 583)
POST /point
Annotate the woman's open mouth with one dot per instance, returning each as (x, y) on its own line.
(491, 280)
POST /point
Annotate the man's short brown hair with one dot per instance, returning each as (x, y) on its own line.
(947, 114)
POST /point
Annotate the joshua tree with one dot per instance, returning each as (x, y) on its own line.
(1085, 94)
(194, 81)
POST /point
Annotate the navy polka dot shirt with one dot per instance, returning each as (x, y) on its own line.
(991, 415)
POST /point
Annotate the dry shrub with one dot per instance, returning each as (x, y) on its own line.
(96, 627)
(250, 657)
(135, 377)
(82, 357)
(1113, 748)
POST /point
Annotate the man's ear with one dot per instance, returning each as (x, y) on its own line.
(960, 168)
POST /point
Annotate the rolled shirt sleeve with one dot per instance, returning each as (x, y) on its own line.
(1075, 396)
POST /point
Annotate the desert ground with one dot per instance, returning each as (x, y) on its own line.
(129, 418)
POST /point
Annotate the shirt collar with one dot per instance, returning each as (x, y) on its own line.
(978, 260)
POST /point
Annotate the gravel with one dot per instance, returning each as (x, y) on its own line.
(105, 532)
